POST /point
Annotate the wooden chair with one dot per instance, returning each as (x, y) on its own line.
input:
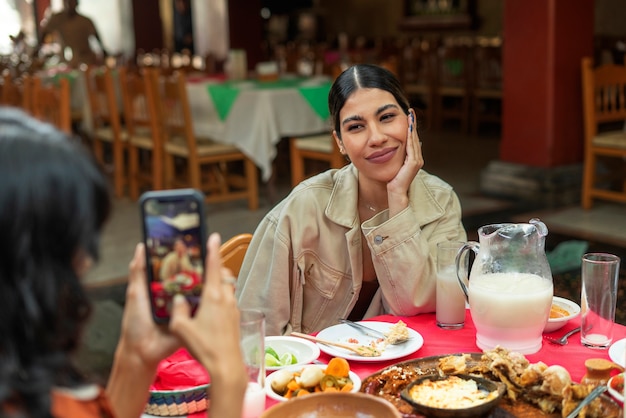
(145, 137)
(452, 93)
(12, 91)
(486, 96)
(604, 114)
(107, 127)
(234, 250)
(321, 148)
(418, 74)
(51, 102)
(207, 165)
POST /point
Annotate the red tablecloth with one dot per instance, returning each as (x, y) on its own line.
(438, 341)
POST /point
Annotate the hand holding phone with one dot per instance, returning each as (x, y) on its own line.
(174, 235)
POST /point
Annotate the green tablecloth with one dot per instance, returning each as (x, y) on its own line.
(225, 94)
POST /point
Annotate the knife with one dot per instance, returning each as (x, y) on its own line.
(592, 395)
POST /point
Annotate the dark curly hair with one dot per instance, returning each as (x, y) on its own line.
(54, 201)
(363, 76)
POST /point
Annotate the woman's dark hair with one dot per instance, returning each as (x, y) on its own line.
(363, 76)
(54, 201)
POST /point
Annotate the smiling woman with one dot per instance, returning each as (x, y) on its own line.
(358, 241)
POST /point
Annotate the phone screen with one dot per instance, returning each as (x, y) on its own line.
(174, 237)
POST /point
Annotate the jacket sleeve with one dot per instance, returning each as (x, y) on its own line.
(404, 252)
(267, 256)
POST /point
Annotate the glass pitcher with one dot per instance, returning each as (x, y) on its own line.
(509, 288)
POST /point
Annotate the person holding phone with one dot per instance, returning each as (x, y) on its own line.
(54, 201)
(358, 241)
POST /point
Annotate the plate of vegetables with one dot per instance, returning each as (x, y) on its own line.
(616, 387)
(296, 381)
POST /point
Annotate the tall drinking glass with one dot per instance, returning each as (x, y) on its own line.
(252, 329)
(450, 312)
(600, 272)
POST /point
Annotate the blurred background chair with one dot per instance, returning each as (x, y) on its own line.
(313, 149)
(220, 170)
(486, 94)
(604, 115)
(234, 250)
(452, 92)
(145, 138)
(419, 77)
(109, 139)
(51, 102)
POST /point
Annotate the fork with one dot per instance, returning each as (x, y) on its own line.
(370, 331)
(563, 339)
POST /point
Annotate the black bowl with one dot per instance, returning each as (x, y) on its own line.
(479, 409)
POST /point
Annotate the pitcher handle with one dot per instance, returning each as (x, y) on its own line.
(471, 245)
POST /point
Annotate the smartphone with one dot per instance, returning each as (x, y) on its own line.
(174, 234)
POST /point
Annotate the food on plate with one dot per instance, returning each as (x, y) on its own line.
(313, 378)
(573, 394)
(397, 332)
(617, 383)
(273, 359)
(557, 311)
(547, 388)
(451, 393)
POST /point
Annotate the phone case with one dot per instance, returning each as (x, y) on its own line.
(174, 235)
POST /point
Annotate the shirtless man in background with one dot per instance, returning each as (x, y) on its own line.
(74, 31)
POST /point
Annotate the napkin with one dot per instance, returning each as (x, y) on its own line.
(179, 371)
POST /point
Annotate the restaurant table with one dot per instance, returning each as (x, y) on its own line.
(254, 115)
(438, 341)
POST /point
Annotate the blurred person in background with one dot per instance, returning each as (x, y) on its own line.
(75, 32)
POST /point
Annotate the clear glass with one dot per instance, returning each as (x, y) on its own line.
(600, 272)
(450, 312)
(252, 329)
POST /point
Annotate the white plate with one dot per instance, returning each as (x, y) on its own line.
(305, 351)
(617, 352)
(614, 393)
(356, 381)
(346, 334)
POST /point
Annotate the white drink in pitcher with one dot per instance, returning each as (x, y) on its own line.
(510, 310)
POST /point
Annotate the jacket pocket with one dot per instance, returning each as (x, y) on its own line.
(323, 292)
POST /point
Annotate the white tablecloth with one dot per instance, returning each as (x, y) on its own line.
(257, 121)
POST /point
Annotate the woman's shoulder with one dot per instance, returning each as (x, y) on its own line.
(86, 401)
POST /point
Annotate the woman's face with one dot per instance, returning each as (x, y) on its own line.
(373, 133)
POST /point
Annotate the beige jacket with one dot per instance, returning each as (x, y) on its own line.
(303, 268)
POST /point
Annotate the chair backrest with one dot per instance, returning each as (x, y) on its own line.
(453, 63)
(96, 86)
(140, 106)
(234, 250)
(487, 64)
(51, 102)
(604, 95)
(12, 91)
(418, 63)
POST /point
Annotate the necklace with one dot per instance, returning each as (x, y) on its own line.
(370, 207)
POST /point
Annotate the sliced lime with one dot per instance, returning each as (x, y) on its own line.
(271, 361)
(272, 352)
(287, 359)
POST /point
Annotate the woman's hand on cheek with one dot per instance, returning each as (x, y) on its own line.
(398, 187)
